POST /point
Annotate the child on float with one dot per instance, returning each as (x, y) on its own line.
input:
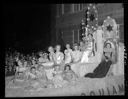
(41, 77)
(32, 74)
(68, 74)
(34, 64)
(20, 70)
(32, 79)
(68, 56)
(58, 77)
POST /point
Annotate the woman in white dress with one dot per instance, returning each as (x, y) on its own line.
(20, 70)
(99, 46)
(76, 54)
(80, 67)
(58, 78)
(59, 56)
(68, 53)
(88, 52)
(76, 57)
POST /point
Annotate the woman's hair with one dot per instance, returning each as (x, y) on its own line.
(75, 44)
(107, 44)
(50, 47)
(58, 45)
(33, 68)
(67, 66)
(90, 34)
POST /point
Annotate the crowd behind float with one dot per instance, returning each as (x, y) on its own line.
(55, 68)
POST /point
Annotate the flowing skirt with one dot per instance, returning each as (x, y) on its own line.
(83, 68)
(85, 56)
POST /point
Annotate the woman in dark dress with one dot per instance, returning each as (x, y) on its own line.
(103, 68)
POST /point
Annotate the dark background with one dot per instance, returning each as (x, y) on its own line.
(27, 26)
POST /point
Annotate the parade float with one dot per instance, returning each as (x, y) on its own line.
(109, 85)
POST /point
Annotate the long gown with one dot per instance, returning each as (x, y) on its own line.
(101, 71)
(58, 79)
(85, 57)
(99, 45)
(76, 55)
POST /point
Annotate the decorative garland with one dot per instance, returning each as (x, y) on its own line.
(92, 17)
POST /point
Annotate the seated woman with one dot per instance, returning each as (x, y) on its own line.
(41, 75)
(76, 54)
(59, 56)
(68, 53)
(98, 46)
(76, 58)
(103, 68)
(34, 64)
(50, 62)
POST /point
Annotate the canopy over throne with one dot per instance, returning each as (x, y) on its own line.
(110, 28)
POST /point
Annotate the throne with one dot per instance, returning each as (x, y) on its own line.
(111, 35)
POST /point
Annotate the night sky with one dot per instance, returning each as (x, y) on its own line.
(27, 26)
